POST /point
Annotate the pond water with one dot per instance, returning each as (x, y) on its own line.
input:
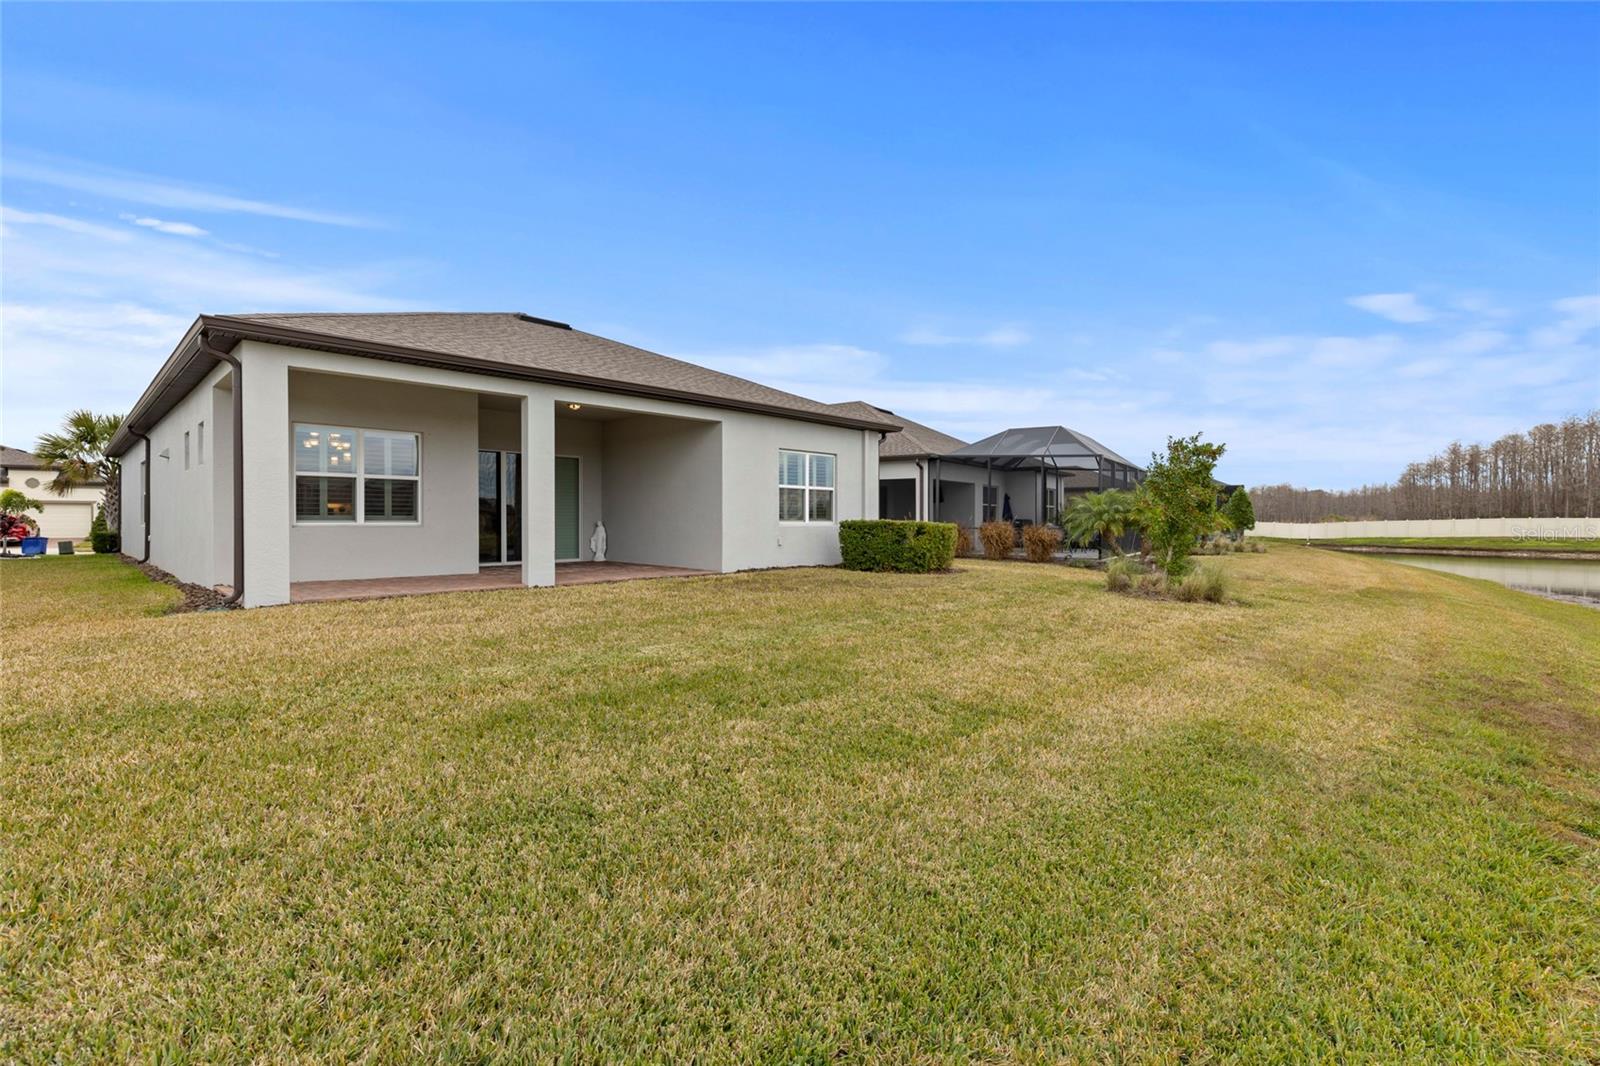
(1566, 577)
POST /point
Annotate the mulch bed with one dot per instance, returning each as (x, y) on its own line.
(195, 597)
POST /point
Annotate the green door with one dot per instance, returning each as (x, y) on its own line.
(566, 507)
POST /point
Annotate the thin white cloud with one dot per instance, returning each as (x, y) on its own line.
(13, 217)
(1579, 316)
(1008, 336)
(1247, 351)
(1351, 353)
(160, 225)
(160, 192)
(1395, 306)
(1475, 342)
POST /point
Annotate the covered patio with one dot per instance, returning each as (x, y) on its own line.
(488, 577)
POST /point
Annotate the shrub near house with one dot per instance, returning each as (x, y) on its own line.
(905, 547)
(1039, 543)
(998, 539)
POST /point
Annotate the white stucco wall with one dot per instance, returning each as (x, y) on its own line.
(752, 535)
(181, 500)
(132, 529)
(445, 541)
(964, 508)
(662, 493)
(219, 460)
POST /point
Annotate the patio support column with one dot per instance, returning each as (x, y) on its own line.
(265, 445)
(538, 490)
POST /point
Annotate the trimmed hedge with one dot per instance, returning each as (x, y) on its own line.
(906, 547)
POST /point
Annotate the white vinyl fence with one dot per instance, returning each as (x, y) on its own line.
(1520, 528)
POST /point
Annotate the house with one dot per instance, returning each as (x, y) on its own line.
(65, 517)
(1024, 474)
(274, 451)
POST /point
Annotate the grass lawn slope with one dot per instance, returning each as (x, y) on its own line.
(804, 815)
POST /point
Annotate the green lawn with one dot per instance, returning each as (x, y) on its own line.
(804, 816)
(1506, 543)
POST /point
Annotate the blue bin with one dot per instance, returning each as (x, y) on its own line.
(34, 545)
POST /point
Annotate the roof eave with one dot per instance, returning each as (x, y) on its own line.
(230, 331)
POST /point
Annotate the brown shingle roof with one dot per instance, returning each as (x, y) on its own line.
(19, 458)
(542, 345)
(506, 343)
(863, 410)
(914, 441)
(917, 441)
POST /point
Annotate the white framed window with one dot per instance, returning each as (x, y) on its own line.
(991, 502)
(805, 486)
(186, 449)
(348, 475)
(200, 443)
(391, 476)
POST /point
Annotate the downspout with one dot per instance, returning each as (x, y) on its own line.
(144, 497)
(238, 466)
(922, 493)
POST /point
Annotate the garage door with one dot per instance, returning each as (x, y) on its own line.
(65, 520)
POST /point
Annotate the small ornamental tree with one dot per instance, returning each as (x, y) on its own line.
(1179, 500)
(14, 521)
(101, 538)
(1240, 512)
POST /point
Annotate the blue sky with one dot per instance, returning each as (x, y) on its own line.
(1333, 237)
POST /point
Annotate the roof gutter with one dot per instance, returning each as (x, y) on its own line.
(205, 348)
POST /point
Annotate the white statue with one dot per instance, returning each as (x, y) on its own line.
(597, 543)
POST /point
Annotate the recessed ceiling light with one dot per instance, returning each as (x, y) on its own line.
(574, 406)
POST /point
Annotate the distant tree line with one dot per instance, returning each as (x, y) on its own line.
(1551, 471)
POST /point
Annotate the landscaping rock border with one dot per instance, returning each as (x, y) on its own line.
(195, 597)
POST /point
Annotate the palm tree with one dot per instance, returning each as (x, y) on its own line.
(78, 456)
(1106, 515)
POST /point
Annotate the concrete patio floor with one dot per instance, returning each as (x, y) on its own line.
(488, 577)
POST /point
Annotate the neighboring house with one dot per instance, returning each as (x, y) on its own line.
(407, 445)
(923, 473)
(63, 517)
(905, 468)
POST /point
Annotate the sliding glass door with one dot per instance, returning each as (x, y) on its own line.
(513, 507)
(490, 508)
(499, 507)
